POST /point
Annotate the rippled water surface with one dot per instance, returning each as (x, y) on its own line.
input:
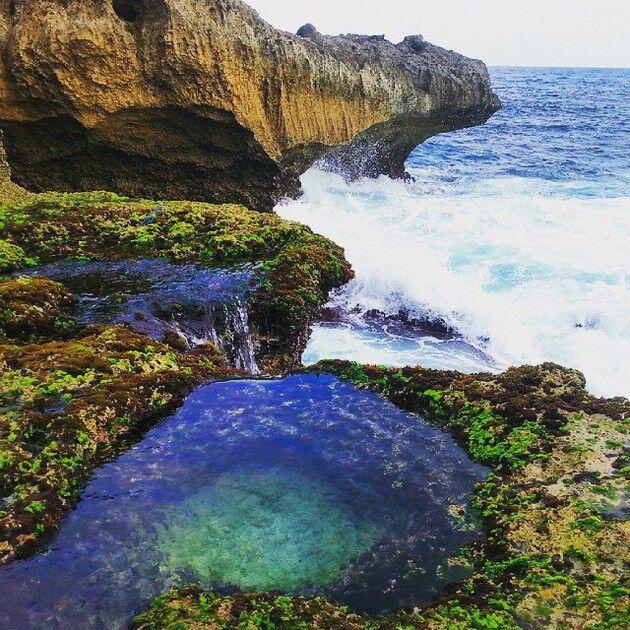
(302, 485)
(514, 234)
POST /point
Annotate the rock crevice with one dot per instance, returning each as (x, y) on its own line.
(201, 99)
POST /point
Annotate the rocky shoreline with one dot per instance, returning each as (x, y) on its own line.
(165, 100)
(552, 509)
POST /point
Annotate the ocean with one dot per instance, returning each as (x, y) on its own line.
(513, 236)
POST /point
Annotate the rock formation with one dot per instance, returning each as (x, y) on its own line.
(5, 172)
(203, 100)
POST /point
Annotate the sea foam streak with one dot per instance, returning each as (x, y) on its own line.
(520, 269)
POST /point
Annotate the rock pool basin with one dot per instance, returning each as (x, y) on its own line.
(304, 485)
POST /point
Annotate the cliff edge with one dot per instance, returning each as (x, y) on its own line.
(203, 100)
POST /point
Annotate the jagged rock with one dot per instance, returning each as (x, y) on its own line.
(201, 99)
(416, 42)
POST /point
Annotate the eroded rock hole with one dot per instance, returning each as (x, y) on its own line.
(128, 10)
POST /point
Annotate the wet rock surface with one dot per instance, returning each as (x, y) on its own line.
(183, 99)
(293, 269)
(34, 307)
(186, 305)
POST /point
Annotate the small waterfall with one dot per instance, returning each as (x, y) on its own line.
(227, 327)
(245, 358)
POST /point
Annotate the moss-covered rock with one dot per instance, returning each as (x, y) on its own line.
(65, 406)
(12, 257)
(296, 268)
(31, 307)
(554, 507)
(192, 608)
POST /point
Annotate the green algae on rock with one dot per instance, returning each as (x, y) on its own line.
(65, 406)
(554, 509)
(12, 257)
(33, 307)
(554, 555)
(296, 270)
(192, 608)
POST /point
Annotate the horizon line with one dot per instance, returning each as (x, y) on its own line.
(514, 65)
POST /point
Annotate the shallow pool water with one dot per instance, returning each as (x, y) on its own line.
(375, 344)
(303, 485)
(155, 296)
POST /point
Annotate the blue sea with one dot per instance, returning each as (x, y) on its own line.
(514, 235)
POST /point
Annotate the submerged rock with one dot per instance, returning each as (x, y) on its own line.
(179, 99)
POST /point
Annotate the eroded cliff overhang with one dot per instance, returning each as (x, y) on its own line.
(201, 99)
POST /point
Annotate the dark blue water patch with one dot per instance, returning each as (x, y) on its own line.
(155, 297)
(303, 485)
(562, 125)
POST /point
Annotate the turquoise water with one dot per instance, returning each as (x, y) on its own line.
(303, 485)
(266, 531)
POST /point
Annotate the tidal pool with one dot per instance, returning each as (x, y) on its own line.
(303, 485)
(155, 296)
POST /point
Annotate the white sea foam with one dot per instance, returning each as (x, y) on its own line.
(524, 271)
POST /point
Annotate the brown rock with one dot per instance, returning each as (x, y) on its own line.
(201, 99)
(5, 172)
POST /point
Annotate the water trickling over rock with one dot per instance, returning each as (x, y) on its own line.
(163, 300)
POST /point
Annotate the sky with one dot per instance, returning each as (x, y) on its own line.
(500, 32)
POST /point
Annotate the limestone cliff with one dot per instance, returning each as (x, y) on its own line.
(201, 99)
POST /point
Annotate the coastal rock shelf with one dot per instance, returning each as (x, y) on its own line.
(303, 485)
(203, 100)
(167, 461)
(292, 269)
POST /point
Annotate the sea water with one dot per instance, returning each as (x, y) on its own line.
(513, 235)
